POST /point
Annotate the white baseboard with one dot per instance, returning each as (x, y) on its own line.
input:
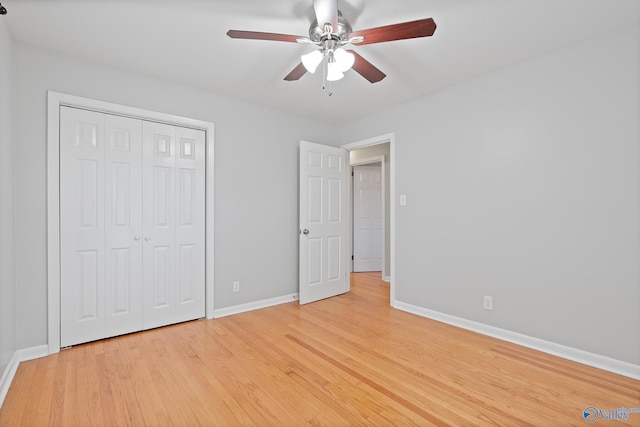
(7, 377)
(386, 278)
(576, 355)
(12, 367)
(236, 309)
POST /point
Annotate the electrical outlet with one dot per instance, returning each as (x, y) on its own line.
(488, 303)
(236, 286)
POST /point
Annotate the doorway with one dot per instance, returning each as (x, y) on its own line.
(379, 149)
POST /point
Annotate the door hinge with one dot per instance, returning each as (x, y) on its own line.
(352, 173)
(351, 257)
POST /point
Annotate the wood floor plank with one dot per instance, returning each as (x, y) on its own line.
(347, 360)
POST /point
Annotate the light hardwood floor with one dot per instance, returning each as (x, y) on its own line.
(348, 360)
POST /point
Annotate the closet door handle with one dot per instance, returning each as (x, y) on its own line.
(136, 238)
(147, 238)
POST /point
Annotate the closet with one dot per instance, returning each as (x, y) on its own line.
(132, 225)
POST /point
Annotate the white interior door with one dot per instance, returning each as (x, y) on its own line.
(367, 218)
(100, 225)
(323, 222)
(174, 227)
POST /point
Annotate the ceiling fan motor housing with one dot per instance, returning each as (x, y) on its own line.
(318, 34)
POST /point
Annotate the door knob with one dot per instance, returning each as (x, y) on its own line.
(136, 238)
(305, 231)
(147, 238)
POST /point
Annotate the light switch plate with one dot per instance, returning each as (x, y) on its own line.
(403, 200)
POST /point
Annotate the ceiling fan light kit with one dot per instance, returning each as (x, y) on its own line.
(338, 62)
(333, 74)
(342, 59)
(330, 32)
(311, 60)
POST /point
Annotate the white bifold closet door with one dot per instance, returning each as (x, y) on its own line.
(131, 224)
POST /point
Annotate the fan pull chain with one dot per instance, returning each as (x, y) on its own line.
(325, 67)
(324, 74)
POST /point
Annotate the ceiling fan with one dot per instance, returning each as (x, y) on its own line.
(330, 31)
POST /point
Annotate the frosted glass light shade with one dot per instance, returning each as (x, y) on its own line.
(333, 72)
(312, 60)
(344, 59)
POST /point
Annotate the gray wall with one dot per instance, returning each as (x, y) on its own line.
(524, 184)
(256, 178)
(379, 150)
(7, 284)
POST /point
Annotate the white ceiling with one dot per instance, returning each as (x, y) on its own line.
(185, 41)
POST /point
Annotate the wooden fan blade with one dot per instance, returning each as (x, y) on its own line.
(255, 35)
(366, 69)
(403, 31)
(296, 73)
(326, 12)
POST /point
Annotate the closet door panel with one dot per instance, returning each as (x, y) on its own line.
(81, 226)
(190, 223)
(173, 222)
(159, 206)
(123, 219)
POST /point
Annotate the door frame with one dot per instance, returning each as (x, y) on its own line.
(376, 140)
(54, 101)
(383, 240)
